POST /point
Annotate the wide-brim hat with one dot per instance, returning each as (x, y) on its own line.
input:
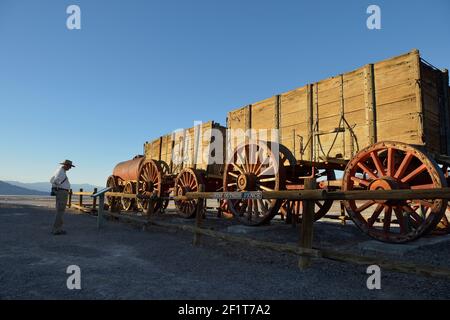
(67, 163)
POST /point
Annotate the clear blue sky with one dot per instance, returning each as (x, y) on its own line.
(139, 69)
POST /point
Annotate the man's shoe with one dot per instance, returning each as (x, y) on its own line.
(60, 232)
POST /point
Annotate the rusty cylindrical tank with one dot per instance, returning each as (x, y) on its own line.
(128, 170)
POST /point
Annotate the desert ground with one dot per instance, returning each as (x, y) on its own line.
(125, 261)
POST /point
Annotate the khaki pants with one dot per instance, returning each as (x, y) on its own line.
(61, 202)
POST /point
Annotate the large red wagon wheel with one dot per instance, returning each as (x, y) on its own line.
(391, 166)
(254, 167)
(294, 208)
(128, 203)
(188, 180)
(113, 202)
(149, 184)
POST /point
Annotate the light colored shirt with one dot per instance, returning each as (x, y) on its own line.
(60, 179)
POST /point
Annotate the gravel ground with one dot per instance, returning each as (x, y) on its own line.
(121, 261)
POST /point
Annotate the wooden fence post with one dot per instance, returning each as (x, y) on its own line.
(69, 199)
(342, 215)
(94, 201)
(101, 204)
(151, 206)
(198, 217)
(306, 230)
(81, 198)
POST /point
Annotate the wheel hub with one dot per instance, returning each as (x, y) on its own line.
(384, 184)
(247, 182)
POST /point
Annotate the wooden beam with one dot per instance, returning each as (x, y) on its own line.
(418, 90)
(446, 109)
(404, 194)
(78, 193)
(309, 117)
(370, 103)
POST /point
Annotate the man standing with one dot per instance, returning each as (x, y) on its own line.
(60, 185)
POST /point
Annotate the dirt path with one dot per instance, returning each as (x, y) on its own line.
(123, 262)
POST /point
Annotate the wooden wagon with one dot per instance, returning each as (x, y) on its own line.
(383, 126)
(172, 164)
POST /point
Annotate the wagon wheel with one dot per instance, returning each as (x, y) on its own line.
(128, 203)
(165, 172)
(149, 184)
(391, 166)
(294, 208)
(254, 167)
(112, 202)
(188, 180)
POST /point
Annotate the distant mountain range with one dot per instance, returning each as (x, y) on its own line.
(9, 189)
(36, 188)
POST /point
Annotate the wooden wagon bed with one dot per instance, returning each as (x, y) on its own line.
(402, 99)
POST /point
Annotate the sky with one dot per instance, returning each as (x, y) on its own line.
(140, 69)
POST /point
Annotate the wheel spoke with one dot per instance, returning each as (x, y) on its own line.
(424, 186)
(413, 214)
(413, 174)
(233, 174)
(243, 162)
(387, 219)
(250, 209)
(425, 203)
(265, 170)
(367, 170)
(255, 205)
(320, 205)
(390, 162)
(375, 215)
(366, 205)
(402, 221)
(238, 168)
(377, 163)
(263, 204)
(264, 188)
(404, 165)
(258, 168)
(267, 179)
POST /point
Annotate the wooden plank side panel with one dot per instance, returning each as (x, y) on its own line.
(216, 151)
(166, 149)
(397, 112)
(328, 97)
(237, 119)
(394, 71)
(177, 152)
(201, 145)
(263, 119)
(263, 113)
(395, 109)
(327, 110)
(402, 129)
(293, 132)
(434, 124)
(295, 138)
